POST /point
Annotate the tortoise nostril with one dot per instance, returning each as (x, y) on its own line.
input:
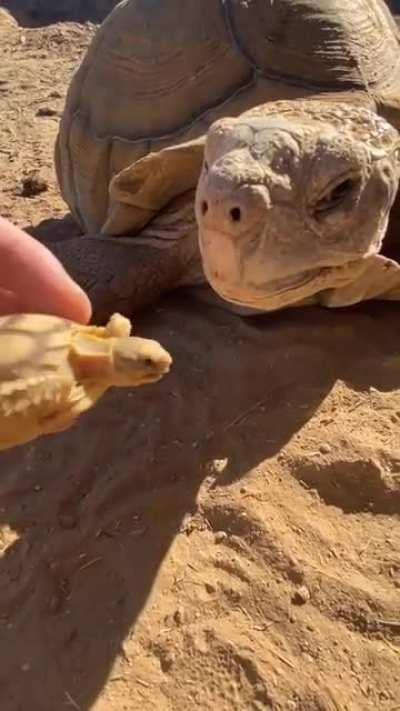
(236, 214)
(204, 207)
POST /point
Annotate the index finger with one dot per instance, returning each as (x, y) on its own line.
(33, 280)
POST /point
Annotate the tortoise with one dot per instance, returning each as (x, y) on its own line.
(250, 147)
(52, 370)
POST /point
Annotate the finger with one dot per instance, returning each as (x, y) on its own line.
(36, 279)
(8, 302)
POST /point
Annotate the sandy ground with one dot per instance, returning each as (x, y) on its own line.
(226, 539)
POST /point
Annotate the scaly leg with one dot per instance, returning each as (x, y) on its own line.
(126, 274)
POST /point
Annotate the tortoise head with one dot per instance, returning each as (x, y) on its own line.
(119, 361)
(290, 192)
(137, 361)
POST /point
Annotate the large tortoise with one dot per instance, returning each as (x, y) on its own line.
(296, 106)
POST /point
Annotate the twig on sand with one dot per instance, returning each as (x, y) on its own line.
(393, 648)
(389, 623)
(285, 660)
(90, 563)
(244, 415)
(72, 701)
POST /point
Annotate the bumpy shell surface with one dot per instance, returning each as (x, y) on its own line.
(159, 73)
(36, 383)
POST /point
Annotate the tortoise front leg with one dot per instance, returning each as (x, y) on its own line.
(118, 274)
(128, 273)
(380, 279)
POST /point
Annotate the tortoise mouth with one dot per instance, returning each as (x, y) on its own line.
(144, 379)
(278, 293)
(157, 374)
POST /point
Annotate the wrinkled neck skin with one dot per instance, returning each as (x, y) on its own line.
(289, 205)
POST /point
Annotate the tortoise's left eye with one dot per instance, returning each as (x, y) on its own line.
(334, 197)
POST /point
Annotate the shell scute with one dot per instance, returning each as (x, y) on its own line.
(28, 394)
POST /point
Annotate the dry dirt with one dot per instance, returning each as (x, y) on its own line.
(228, 539)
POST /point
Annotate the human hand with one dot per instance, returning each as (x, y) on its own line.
(33, 280)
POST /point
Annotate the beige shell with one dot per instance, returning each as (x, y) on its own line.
(158, 74)
(52, 370)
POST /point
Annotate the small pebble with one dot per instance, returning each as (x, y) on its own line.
(308, 657)
(178, 616)
(220, 465)
(234, 595)
(220, 537)
(301, 596)
(325, 449)
(384, 695)
(167, 659)
(32, 185)
(210, 588)
(46, 111)
(215, 466)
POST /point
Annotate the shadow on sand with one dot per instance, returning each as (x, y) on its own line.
(38, 13)
(96, 508)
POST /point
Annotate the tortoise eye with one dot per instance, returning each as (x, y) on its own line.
(334, 197)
